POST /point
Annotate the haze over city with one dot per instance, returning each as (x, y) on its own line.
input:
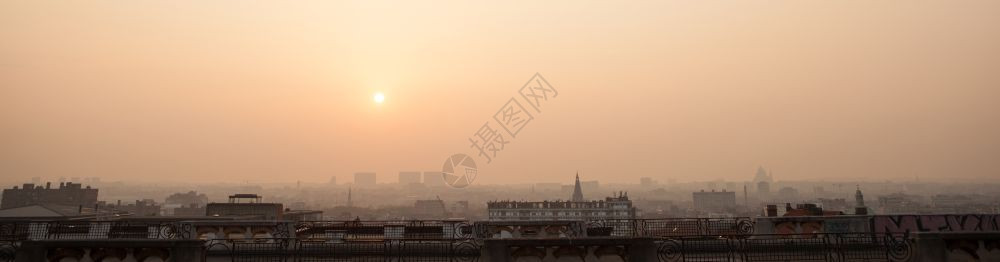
(690, 91)
(499, 131)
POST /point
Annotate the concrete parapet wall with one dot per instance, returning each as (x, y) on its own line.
(812, 224)
(119, 250)
(949, 246)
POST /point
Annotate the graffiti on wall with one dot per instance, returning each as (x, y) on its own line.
(834, 226)
(901, 224)
(798, 226)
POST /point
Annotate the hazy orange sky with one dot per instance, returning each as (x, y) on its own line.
(278, 91)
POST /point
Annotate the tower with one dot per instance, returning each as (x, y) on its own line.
(577, 192)
(859, 203)
(746, 203)
(763, 175)
(349, 203)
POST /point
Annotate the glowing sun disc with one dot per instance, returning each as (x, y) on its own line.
(379, 98)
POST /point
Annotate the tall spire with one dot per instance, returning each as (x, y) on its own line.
(859, 199)
(577, 191)
(859, 203)
(349, 204)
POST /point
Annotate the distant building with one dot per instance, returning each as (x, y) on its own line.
(406, 178)
(333, 181)
(713, 201)
(350, 199)
(303, 215)
(787, 194)
(364, 179)
(835, 204)
(763, 175)
(617, 207)
(433, 178)
(67, 194)
(55, 212)
(657, 208)
(763, 180)
(808, 210)
(763, 188)
(430, 209)
(145, 207)
(191, 210)
(899, 203)
(859, 203)
(184, 199)
(252, 208)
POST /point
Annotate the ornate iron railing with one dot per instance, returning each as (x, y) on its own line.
(670, 227)
(378, 230)
(676, 239)
(38, 230)
(370, 230)
(805, 247)
(285, 249)
(8, 248)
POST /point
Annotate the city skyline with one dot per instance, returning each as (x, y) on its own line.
(499, 131)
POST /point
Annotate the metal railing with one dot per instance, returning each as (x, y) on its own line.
(682, 239)
(669, 227)
(805, 247)
(377, 230)
(8, 248)
(285, 249)
(39, 230)
(367, 230)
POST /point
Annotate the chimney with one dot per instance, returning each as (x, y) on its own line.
(772, 210)
(80, 210)
(48, 185)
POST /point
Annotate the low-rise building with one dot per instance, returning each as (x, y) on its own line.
(67, 194)
(430, 209)
(249, 206)
(616, 207)
(191, 210)
(303, 215)
(145, 207)
(713, 201)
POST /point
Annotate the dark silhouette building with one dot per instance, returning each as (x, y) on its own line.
(577, 191)
(145, 207)
(67, 194)
(190, 210)
(859, 203)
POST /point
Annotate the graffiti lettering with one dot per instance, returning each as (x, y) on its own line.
(902, 224)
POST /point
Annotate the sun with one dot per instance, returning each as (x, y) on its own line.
(379, 98)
